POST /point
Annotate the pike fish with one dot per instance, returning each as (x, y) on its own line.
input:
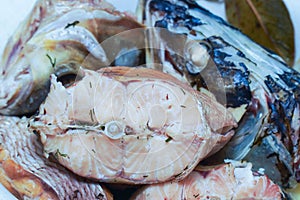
(198, 47)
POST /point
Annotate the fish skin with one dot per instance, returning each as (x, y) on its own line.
(58, 37)
(26, 173)
(226, 181)
(142, 150)
(252, 76)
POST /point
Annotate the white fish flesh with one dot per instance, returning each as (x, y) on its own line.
(202, 49)
(131, 125)
(227, 181)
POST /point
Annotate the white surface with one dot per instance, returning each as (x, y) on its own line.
(12, 12)
(5, 194)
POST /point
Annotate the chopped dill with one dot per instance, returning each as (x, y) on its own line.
(182, 91)
(58, 153)
(92, 114)
(168, 139)
(73, 24)
(52, 61)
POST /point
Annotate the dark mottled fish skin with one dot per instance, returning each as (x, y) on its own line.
(236, 77)
(252, 75)
(25, 153)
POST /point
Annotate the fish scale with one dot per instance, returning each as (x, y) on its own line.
(26, 151)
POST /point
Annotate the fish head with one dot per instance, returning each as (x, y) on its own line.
(59, 37)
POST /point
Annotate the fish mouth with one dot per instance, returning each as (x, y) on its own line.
(59, 38)
(12, 91)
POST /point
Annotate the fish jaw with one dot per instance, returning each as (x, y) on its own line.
(136, 116)
(23, 88)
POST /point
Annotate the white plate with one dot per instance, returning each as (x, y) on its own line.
(5, 194)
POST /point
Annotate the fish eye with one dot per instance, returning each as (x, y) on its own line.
(67, 79)
(68, 73)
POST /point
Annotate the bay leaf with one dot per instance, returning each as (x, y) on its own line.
(267, 22)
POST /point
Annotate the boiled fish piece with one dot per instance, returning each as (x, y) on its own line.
(27, 174)
(226, 181)
(130, 125)
(202, 49)
(60, 36)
